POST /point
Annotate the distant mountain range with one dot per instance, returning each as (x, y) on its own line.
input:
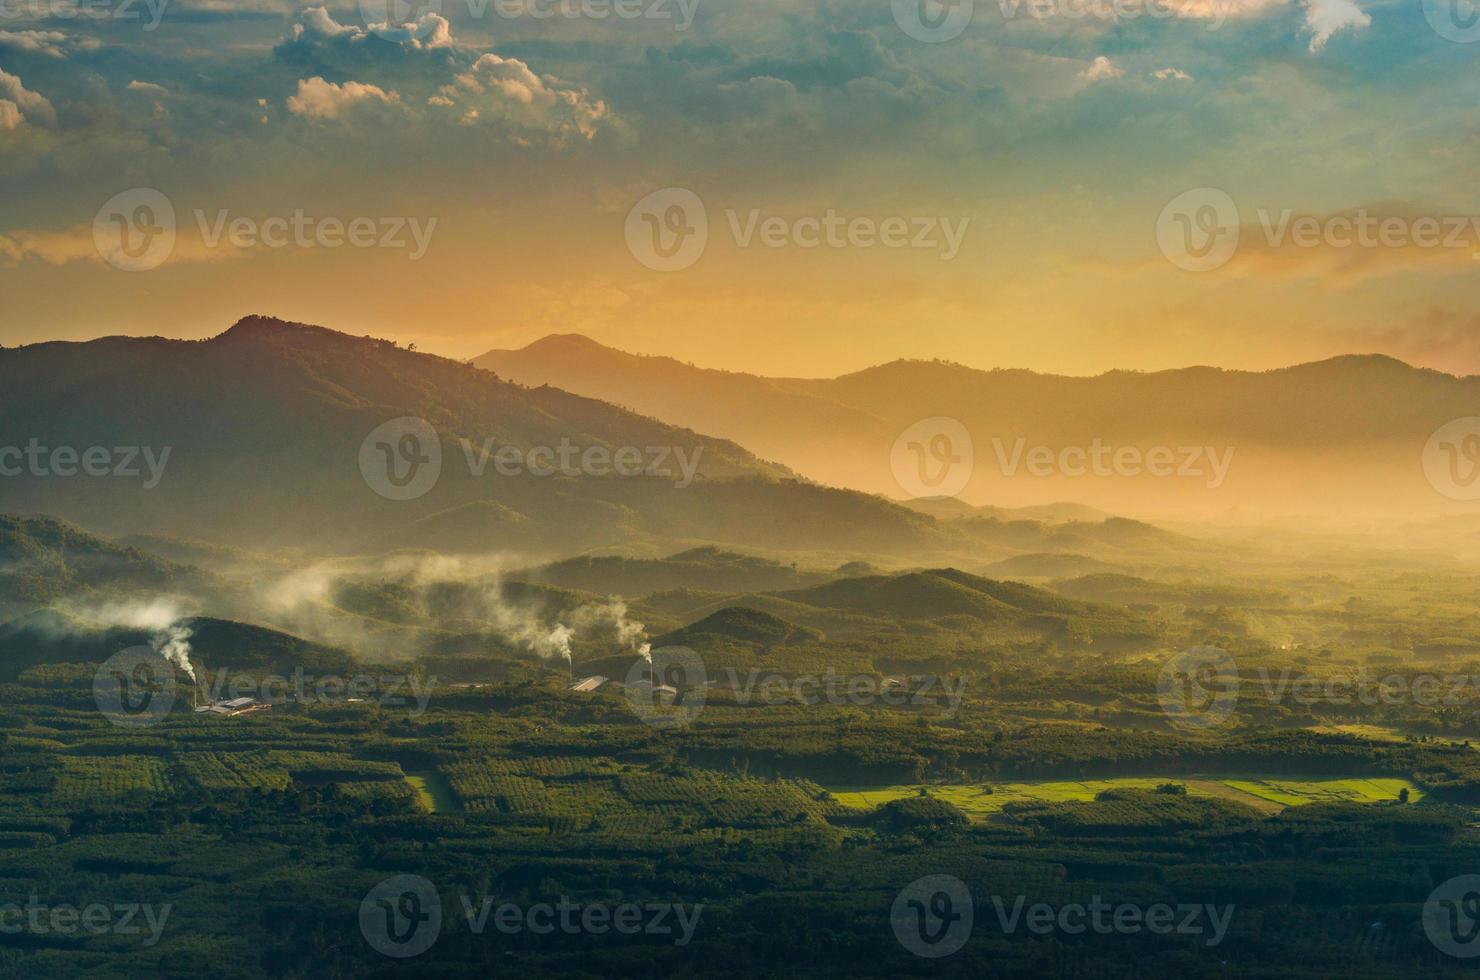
(266, 430)
(1345, 434)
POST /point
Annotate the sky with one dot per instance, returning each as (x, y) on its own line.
(773, 186)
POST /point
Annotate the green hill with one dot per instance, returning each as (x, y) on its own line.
(1047, 565)
(708, 568)
(740, 624)
(934, 594)
(1127, 589)
(43, 560)
(49, 637)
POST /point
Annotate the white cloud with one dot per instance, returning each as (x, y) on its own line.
(508, 87)
(1171, 74)
(430, 30)
(53, 44)
(23, 104)
(452, 83)
(150, 87)
(318, 99)
(1100, 69)
(318, 23)
(1325, 17)
(49, 43)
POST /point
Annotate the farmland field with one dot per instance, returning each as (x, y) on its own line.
(433, 791)
(1269, 794)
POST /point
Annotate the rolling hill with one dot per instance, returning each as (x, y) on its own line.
(43, 560)
(935, 594)
(48, 637)
(742, 625)
(1047, 565)
(708, 568)
(942, 603)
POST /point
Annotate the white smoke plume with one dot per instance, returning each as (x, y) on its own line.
(303, 602)
(592, 617)
(161, 615)
(173, 643)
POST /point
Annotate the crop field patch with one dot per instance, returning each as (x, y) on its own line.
(1269, 794)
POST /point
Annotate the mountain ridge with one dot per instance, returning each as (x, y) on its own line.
(265, 422)
(1342, 434)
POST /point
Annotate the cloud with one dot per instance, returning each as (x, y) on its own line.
(18, 104)
(445, 81)
(318, 99)
(508, 88)
(49, 43)
(430, 31)
(150, 87)
(1341, 248)
(318, 27)
(1100, 69)
(1325, 17)
(79, 244)
(1171, 74)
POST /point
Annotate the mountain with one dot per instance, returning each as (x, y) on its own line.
(708, 568)
(953, 508)
(1049, 565)
(43, 560)
(1341, 436)
(48, 637)
(766, 415)
(268, 437)
(942, 603)
(935, 594)
(1128, 590)
(739, 624)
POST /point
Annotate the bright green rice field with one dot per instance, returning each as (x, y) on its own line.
(1268, 793)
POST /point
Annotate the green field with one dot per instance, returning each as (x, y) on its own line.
(433, 791)
(1270, 794)
(1294, 792)
(1377, 733)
